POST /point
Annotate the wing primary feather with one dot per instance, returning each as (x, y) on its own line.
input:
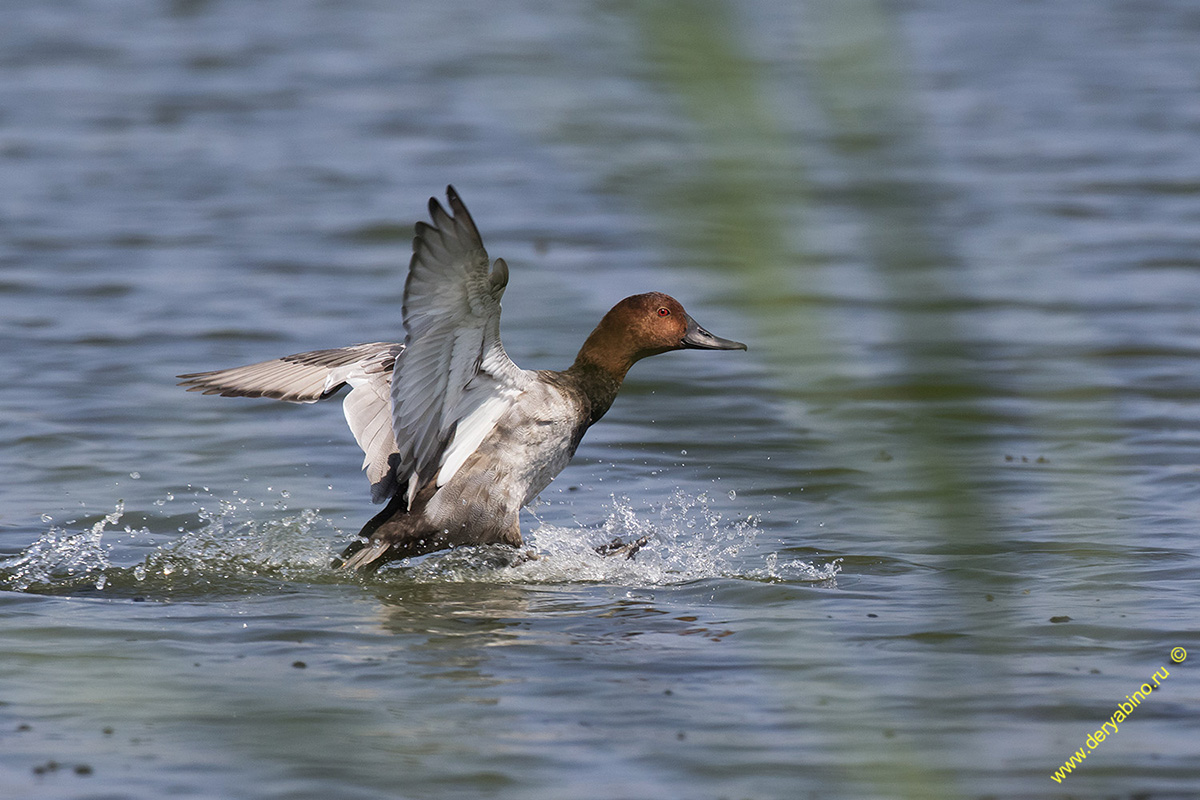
(318, 375)
(451, 318)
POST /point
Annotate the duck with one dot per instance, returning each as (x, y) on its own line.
(457, 438)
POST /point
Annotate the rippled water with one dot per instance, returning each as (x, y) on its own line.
(919, 541)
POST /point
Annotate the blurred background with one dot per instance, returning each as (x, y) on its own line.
(919, 541)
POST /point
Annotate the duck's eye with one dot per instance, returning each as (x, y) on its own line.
(664, 312)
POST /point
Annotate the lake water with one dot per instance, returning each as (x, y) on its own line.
(922, 540)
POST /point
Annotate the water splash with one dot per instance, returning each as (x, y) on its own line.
(234, 550)
(228, 551)
(688, 537)
(62, 556)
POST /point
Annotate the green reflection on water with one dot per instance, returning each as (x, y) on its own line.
(746, 208)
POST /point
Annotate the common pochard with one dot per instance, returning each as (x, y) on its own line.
(457, 437)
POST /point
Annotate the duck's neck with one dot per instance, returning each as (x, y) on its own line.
(599, 386)
(598, 372)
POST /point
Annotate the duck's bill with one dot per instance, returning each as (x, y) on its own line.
(699, 339)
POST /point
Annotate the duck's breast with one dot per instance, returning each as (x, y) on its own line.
(541, 435)
(530, 444)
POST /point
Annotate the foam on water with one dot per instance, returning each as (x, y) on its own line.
(236, 550)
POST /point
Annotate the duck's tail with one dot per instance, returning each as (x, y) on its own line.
(371, 551)
(364, 555)
(391, 534)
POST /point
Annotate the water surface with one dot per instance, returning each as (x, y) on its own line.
(919, 541)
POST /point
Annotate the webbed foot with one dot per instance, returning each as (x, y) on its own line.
(617, 547)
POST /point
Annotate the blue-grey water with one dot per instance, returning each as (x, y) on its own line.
(921, 540)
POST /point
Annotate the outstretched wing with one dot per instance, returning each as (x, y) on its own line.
(452, 320)
(317, 375)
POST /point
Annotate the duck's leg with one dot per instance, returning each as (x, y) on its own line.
(628, 549)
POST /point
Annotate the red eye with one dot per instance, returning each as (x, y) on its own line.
(664, 312)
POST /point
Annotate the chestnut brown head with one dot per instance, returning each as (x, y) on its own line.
(646, 325)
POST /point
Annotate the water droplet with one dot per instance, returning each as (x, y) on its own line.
(683, 452)
(732, 494)
(47, 518)
(135, 475)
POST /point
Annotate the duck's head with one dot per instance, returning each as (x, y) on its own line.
(646, 325)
